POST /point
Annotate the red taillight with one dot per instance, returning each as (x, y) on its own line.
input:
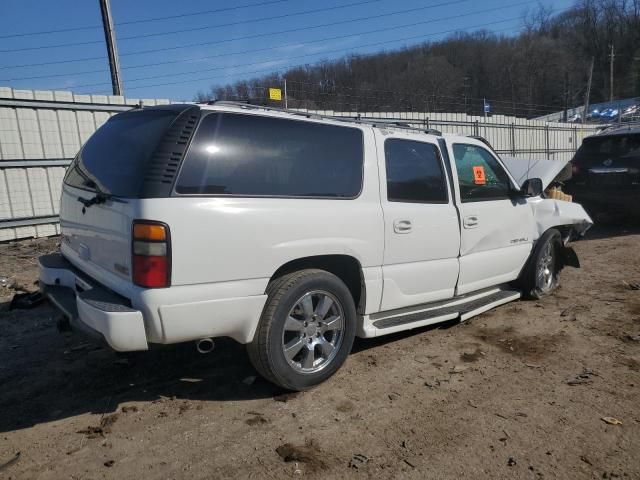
(152, 272)
(575, 169)
(151, 260)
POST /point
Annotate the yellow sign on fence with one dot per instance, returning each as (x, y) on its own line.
(275, 94)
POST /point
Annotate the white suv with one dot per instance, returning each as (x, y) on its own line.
(292, 233)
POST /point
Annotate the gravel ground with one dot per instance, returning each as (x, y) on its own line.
(523, 391)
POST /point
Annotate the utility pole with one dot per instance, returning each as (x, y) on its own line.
(611, 57)
(588, 93)
(465, 86)
(112, 49)
(566, 96)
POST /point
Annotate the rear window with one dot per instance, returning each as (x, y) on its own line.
(250, 155)
(115, 157)
(622, 147)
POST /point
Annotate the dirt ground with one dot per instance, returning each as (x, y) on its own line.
(519, 392)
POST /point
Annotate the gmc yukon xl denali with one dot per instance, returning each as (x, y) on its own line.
(292, 233)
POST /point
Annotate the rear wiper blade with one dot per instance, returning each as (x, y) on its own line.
(95, 200)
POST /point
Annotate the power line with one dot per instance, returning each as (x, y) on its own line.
(243, 22)
(244, 37)
(194, 29)
(233, 39)
(325, 52)
(273, 70)
(243, 52)
(144, 20)
(359, 91)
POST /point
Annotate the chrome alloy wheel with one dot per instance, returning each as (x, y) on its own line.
(546, 268)
(313, 331)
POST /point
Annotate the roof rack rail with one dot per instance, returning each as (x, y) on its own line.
(358, 119)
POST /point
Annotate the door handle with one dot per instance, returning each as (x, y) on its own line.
(470, 221)
(402, 226)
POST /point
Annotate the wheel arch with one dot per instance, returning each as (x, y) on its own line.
(346, 267)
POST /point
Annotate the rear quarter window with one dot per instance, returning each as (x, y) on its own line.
(251, 155)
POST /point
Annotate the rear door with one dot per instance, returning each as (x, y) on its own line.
(422, 237)
(496, 226)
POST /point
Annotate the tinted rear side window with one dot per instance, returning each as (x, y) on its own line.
(235, 154)
(414, 172)
(115, 157)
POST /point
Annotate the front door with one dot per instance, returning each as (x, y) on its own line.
(496, 226)
(422, 235)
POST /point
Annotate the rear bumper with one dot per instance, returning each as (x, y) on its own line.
(90, 308)
(157, 315)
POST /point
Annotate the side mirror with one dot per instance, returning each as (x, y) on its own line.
(532, 187)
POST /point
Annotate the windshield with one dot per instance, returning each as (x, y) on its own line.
(114, 159)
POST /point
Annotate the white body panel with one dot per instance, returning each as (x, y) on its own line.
(496, 235)
(420, 257)
(495, 249)
(225, 249)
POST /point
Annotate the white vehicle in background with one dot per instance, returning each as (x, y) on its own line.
(292, 233)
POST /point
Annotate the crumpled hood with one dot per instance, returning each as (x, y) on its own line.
(522, 169)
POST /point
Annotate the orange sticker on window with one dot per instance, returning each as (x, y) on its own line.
(478, 175)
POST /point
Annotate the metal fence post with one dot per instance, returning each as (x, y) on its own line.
(513, 139)
(546, 149)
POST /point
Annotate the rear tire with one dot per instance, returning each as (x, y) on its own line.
(306, 330)
(541, 275)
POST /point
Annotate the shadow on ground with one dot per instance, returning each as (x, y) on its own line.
(48, 376)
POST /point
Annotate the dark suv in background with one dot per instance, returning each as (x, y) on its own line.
(606, 171)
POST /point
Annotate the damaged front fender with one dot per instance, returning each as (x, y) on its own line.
(549, 213)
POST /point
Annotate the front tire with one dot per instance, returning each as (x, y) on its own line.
(541, 275)
(306, 330)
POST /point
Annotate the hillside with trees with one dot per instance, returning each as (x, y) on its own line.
(540, 70)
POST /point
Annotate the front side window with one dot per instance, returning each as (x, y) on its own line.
(414, 172)
(480, 176)
(251, 155)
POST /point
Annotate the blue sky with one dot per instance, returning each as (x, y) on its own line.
(224, 53)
